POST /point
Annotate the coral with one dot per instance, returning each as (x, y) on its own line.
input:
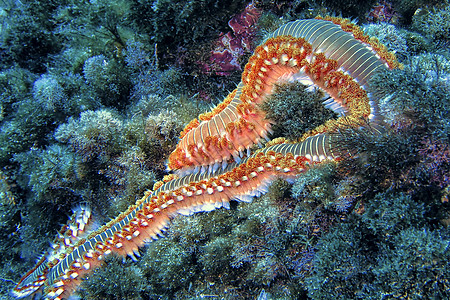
(49, 93)
(10, 222)
(350, 8)
(94, 135)
(136, 56)
(407, 9)
(149, 82)
(417, 263)
(346, 194)
(295, 109)
(108, 79)
(433, 22)
(316, 185)
(148, 104)
(147, 79)
(14, 85)
(54, 181)
(341, 264)
(435, 68)
(215, 257)
(131, 171)
(259, 248)
(270, 245)
(284, 55)
(182, 23)
(390, 36)
(230, 47)
(28, 38)
(49, 172)
(385, 214)
(29, 126)
(363, 263)
(155, 135)
(115, 280)
(383, 12)
(435, 165)
(105, 25)
(416, 93)
(169, 266)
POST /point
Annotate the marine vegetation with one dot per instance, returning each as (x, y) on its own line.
(335, 150)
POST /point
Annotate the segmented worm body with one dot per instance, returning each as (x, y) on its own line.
(336, 58)
(331, 54)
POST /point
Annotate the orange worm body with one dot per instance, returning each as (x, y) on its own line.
(197, 192)
(331, 54)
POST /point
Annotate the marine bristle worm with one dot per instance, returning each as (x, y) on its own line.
(331, 54)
